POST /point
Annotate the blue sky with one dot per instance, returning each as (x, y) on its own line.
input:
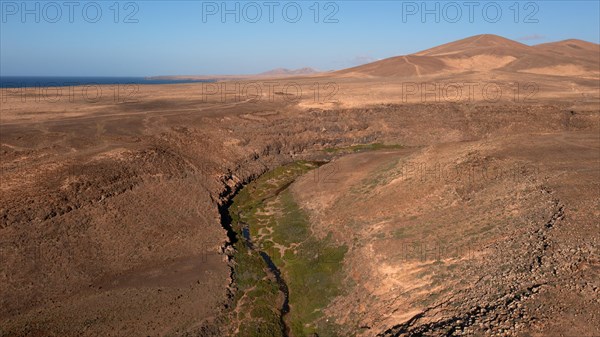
(190, 37)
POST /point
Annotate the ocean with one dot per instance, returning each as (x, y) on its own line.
(65, 81)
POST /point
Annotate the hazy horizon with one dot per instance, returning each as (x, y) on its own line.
(150, 38)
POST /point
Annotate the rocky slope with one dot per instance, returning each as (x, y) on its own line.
(109, 219)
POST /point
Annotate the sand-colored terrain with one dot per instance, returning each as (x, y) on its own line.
(111, 209)
(471, 236)
(486, 52)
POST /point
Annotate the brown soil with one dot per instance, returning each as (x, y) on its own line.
(110, 224)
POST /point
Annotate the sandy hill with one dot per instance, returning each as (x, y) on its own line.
(478, 45)
(571, 48)
(401, 66)
(484, 53)
(569, 58)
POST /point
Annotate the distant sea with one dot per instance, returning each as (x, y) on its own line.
(62, 81)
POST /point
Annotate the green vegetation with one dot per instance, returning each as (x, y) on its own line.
(362, 147)
(310, 267)
(256, 296)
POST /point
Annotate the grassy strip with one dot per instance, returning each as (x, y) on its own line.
(256, 296)
(257, 300)
(362, 147)
(310, 267)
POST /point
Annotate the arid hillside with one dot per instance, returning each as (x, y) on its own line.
(489, 53)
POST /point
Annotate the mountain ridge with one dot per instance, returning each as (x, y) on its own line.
(485, 53)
